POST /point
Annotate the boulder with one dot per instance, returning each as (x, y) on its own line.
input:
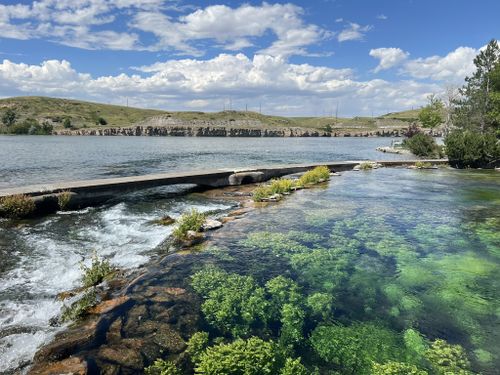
(211, 224)
(108, 305)
(69, 366)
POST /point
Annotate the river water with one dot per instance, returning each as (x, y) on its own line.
(424, 250)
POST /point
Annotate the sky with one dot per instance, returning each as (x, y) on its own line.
(292, 58)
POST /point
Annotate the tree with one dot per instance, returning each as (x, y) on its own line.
(431, 115)
(67, 123)
(473, 109)
(9, 117)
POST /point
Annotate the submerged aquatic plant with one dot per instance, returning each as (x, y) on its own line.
(233, 303)
(191, 221)
(396, 368)
(98, 270)
(448, 359)
(197, 345)
(17, 206)
(162, 367)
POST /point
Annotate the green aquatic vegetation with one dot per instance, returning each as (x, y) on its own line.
(221, 253)
(277, 243)
(416, 345)
(196, 345)
(314, 176)
(294, 367)
(97, 272)
(396, 368)
(233, 303)
(292, 322)
(366, 166)
(282, 290)
(488, 233)
(320, 305)
(281, 186)
(448, 359)
(323, 269)
(162, 367)
(79, 308)
(240, 357)
(17, 206)
(190, 221)
(305, 237)
(261, 192)
(423, 165)
(354, 348)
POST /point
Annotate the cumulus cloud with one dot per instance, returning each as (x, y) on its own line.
(388, 57)
(353, 32)
(95, 24)
(283, 88)
(452, 67)
(382, 17)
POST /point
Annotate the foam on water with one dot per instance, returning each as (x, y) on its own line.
(50, 254)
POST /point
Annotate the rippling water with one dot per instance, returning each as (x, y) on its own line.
(30, 160)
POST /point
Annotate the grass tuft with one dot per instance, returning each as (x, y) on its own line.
(423, 164)
(63, 199)
(79, 308)
(97, 272)
(191, 221)
(314, 176)
(17, 206)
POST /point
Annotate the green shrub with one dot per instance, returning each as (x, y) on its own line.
(396, 368)
(356, 347)
(191, 221)
(197, 345)
(79, 308)
(22, 127)
(101, 121)
(366, 166)
(423, 145)
(314, 176)
(67, 123)
(281, 186)
(469, 149)
(17, 206)
(63, 199)
(241, 357)
(162, 367)
(423, 164)
(233, 303)
(96, 273)
(448, 359)
(261, 192)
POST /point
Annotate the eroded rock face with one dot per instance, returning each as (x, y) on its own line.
(69, 366)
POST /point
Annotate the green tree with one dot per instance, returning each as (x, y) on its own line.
(473, 110)
(9, 117)
(432, 114)
(67, 123)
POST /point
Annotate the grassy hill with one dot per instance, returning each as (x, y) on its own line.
(87, 114)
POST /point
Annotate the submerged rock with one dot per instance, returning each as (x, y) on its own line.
(165, 220)
(108, 305)
(72, 365)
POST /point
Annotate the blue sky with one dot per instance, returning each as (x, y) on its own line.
(292, 57)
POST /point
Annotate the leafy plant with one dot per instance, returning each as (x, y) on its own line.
(320, 304)
(241, 357)
(197, 345)
(396, 368)
(423, 164)
(471, 149)
(423, 145)
(79, 308)
(281, 186)
(448, 359)
(95, 274)
(314, 176)
(233, 303)
(366, 166)
(9, 117)
(294, 367)
(431, 115)
(162, 367)
(191, 221)
(17, 206)
(63, 199)
(261, 192)
(354, 348)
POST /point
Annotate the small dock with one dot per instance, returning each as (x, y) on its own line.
(90, 192)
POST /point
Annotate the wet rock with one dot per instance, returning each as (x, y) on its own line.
(164, 294)
(70, 366)
(211, 224)
(165, 220)
(227, 219)
(272, 198)
(239, 212)
(108, 305)
(192, 238)
(135, 315)
(66, 343)
(114, 333)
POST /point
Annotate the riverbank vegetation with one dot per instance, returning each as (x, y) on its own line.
(474, 140)
(277, 188)
(17, 206)
(189, 222)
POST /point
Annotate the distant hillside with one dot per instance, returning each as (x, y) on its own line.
(84, 114)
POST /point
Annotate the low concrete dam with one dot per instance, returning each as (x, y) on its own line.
(92, 192)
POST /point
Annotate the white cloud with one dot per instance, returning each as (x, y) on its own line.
(382, 17)
(353, 32)
(282, 88)
(388, 57)
(452, 67)
(92, 24)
